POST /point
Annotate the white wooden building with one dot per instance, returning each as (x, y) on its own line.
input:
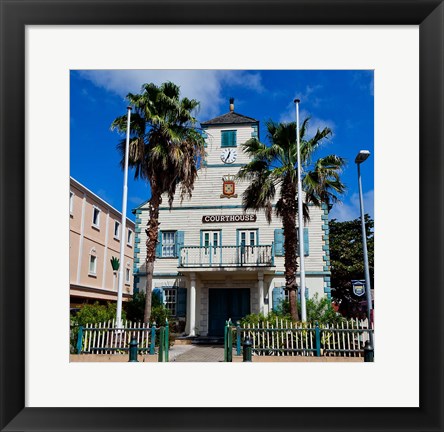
(215, 261)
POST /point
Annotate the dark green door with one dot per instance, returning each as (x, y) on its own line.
(226, 303)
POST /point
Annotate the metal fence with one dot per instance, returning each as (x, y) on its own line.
(106, 338)
(284, 338)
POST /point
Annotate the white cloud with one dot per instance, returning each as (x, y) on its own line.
(308, 98)
(350, 210)
(191, 83)
(314, 124)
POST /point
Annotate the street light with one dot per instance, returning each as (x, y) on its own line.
(361, 157)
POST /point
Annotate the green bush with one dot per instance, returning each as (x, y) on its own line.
(159, 315)
(135, 308)
(97, 313)
(319, 310)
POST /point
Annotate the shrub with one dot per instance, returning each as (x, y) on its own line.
(322, 311)
(159, 315)
(135, 307)
(97, 313)
(319, 310)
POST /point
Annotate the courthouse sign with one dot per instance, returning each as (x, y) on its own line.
(229, 218)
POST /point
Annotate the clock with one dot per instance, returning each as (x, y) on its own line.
(228, 155)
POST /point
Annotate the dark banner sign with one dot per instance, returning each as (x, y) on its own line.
(229, 218)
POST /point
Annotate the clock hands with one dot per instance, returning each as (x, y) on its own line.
(226, 159)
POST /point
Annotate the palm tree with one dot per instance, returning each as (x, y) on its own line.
(165, 149)
(273, 170)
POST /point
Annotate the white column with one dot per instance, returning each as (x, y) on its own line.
(270, 296)
(260, 286)
(192, 317)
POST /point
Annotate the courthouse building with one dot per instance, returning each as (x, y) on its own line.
(215, 261)
(94, 239)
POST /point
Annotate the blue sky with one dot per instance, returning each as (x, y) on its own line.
(340, 100)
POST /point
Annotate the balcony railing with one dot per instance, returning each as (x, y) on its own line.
(226, 256)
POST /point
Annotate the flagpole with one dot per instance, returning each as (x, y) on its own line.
(123, 227)
(301, 221)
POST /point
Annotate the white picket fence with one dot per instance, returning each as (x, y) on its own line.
(104, 338)
(284, 338)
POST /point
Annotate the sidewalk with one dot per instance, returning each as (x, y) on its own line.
(196, 353)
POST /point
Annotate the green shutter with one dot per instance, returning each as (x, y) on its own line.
(181, 306)
(224, 139)
(233, 136)
(157, 293)
(179, 241)
(279, 242)
(306, 243)
(159, 245)
(278, 297)
(229, 138)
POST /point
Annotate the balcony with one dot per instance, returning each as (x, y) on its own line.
(226, 256)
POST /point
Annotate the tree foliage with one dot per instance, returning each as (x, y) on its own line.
(347, 263)
(165, 150)
(273, 171)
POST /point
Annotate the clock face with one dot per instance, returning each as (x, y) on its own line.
(228, 155)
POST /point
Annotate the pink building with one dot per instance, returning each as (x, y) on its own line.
(94, 239)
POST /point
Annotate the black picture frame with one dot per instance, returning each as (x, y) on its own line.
(15, 15)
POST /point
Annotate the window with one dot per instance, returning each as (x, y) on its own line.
(130, 237)
(170, 299)
(116, 230)
(71, 202)
(229, 138)
(168, 246)
(92, 265)
(127, 276)
(254, 133)
(96, 217)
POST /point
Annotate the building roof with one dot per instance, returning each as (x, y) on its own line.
(229, 118)
(79, 185)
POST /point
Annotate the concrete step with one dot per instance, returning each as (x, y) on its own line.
(208, 340)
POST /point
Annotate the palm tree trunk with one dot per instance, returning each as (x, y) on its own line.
(290, 245)
(152, 232)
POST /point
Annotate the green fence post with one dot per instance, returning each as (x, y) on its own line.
(230, 342)
(133, 350)
(369, 353)
(167, 341)
(247, 354)
(153, 339)
(225, 342)
(79, 339)
(318, 339)
(161, 344)
(238, 339)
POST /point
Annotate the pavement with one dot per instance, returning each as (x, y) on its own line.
(196, 353)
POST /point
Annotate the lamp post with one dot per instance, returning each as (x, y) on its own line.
(300, 220)
(361, 157)
(123, 227)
